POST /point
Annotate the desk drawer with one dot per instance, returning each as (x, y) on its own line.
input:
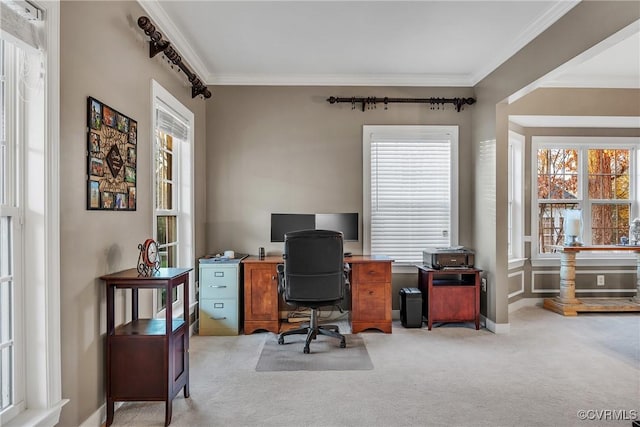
(372, 272)
(219, 317)
(218, 283)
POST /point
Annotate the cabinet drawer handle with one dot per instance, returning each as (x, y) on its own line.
(218, 318)
(217, 286)
(370, 292)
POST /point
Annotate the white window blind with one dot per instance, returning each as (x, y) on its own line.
(167, 121)
(411, 201)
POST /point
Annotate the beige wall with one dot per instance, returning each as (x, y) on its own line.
(285, 149)
(105, 55)
(584, 26)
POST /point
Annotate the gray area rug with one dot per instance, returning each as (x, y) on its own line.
(326, 354)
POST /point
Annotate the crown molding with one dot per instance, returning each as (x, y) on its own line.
(609, 82)
(526, 36)
(418, 80)
(170, 31)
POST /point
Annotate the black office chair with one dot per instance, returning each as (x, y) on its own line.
(313, 275)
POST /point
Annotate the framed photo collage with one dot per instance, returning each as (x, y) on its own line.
(112, 143)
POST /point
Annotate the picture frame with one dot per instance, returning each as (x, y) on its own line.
(131, 155)
(93, 202)
(122, 123)
(132, 197)
(121, 201)
(108, 116)
(94, 118)
(106, 200)
(130, 174)
(96, 167)
(111, 158)
(133, 132)
(94, 142)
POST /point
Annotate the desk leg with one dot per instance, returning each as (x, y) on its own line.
(568, 278)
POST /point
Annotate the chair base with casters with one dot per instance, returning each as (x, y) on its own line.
(312, 330)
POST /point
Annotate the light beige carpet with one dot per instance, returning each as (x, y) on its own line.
(545, 371)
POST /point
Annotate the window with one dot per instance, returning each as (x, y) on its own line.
(11, 288)
(173, 185)
(30, 381)
(409, 190)
(593, 174)
(515, 197)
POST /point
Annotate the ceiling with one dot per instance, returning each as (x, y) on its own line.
(384, 43)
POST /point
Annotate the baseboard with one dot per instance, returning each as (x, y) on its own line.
(525, 302)
(395, 314)
(496, 328)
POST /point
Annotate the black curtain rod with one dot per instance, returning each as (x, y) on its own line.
(372, 101)
(157, 44)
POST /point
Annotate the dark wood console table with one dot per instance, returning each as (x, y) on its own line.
(450, 295)
(145, 359)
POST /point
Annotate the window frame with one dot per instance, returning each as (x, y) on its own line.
(516, 208)
(40, 192)
(582, 144)
(182, 192)
(409, 131)
(12, 208)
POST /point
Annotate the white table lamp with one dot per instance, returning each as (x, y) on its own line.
(572, 227)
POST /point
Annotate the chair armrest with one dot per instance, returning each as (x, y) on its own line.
(281, 281)
(346, 271)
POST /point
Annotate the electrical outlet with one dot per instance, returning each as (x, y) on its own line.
(483, 284)
(600, 280)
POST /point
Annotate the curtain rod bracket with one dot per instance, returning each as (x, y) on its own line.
(157, 45)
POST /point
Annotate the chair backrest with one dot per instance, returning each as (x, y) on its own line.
(313, 266)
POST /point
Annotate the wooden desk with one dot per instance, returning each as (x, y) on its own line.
(147, 360)
(450, 295)
(370, 293)
(567, 303)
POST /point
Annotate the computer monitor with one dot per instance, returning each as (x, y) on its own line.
(345, 222)
(284, 223)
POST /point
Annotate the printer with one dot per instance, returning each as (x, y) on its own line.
(448, 258)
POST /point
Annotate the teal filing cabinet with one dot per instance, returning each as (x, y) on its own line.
(219, 297)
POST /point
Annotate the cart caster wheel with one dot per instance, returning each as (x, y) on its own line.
(280, 340)
(306, 350)
(343, 344)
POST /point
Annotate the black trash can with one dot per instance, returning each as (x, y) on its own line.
(411, 307)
